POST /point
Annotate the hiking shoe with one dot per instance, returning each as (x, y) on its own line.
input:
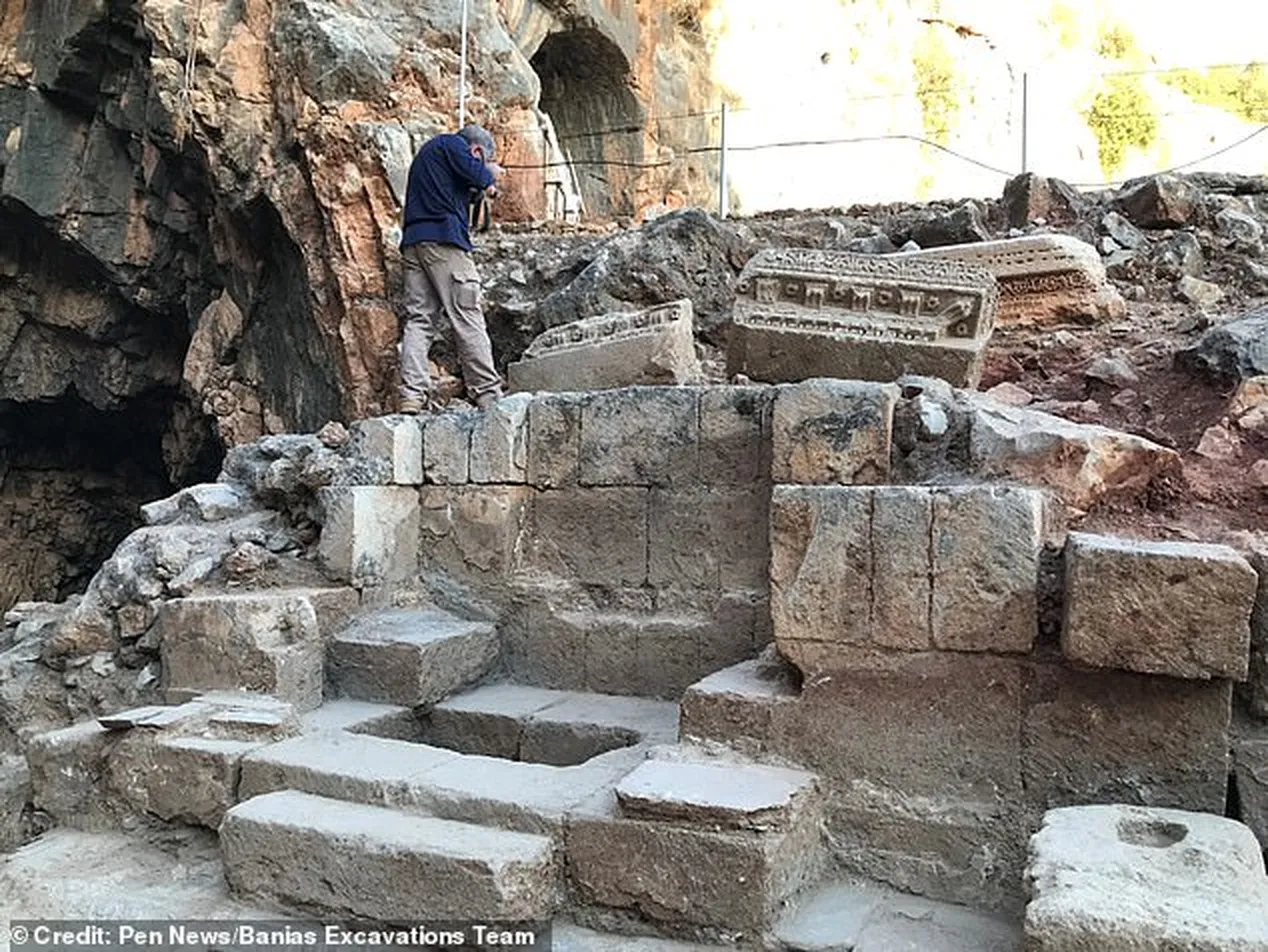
(486, 400)
(412, 406)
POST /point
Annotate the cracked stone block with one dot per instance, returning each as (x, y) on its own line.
(259, 642)
(1176, 608)
(554, 439)
(595, 536)
(447, 447)
(188, 779)
(832, 431)
(473, 534)
(1135, 879)
(712, 539)
(906, 567)
(371, 534)
(68, 775)
(349, 859)
(393, 446)
(641, 436)
(499, 442)
(735, 435)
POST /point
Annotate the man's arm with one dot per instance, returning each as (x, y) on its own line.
(475, 172)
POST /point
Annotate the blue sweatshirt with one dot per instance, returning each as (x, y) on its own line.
(437, 198)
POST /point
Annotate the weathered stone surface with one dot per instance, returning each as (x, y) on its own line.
(370, 534)
(1250, 770)
(641, 436)
(67, 775)
(801, 314)
(688, 875)
(905, 567)
(409, 657)
(499, 442)
(190, 779)
(596, 536)
(655, 346)
(393, 446)
(1081, 464)
(714, 794)
(447, 447)
(1175, 608)
(1042, 278)
(1160, 201)
(268, 643)
(206, 502)
(15, 794)
(1236, 349)
(1256, 688)
(964, 223)
(1111, 737)
(473, 536)
(735, 445)
(712, 539)
(1030, 197)
(741, 706)
(832, 431)
(1130, 879)
(363, 861)
(554, 439)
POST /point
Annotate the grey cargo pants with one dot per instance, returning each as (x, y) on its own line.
(442, 281)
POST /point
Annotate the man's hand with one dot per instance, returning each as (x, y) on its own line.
(491, 192)
(496, 169)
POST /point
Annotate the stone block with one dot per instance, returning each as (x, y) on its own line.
(806, 313)
(710, 539)
(554, 439)
(1256, 688)
(409, 657)
(735, 446)
(985, 547)
(1111, 737)
(546, 645)
(594, 536)
(67, 768)
(188, 779)
(734, 796)
(1131, 879)
(743, 706)
(832, 431)
(370, 534)
(447, 447)
(15, 794)
(392, 448)
(906, 567)
(487, 720)
(270, 644)
(641, 436)
(1175, 608)
(1043, 279)
(687, 876)
(473, 534)
(346, 859)
(499, 442)
(1250, 770)
(650, 347)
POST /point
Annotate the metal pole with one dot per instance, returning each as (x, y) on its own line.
(1025, 120)
(722, 190)
(462, 71)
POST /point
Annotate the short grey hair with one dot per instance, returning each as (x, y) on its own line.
(478, 135)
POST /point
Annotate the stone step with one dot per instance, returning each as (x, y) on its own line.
(267, 642)
(331, 857)
(869, 917)
(409, 656)
(532, 798)
(540, 725)
(741, 706)
(736, 796)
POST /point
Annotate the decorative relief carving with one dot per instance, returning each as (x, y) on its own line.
(605, 327)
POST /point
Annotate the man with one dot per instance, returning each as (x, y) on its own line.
(440, 277)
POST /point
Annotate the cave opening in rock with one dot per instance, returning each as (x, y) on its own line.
(586, 91)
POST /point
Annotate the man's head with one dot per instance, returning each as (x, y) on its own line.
(479, 141)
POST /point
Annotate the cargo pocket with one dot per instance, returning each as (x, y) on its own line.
(466, 291)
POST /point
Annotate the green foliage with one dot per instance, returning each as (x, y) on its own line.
(1121, 116)
(1240, 90)
(935, 86)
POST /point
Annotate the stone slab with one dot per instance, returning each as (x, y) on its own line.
(832, 431)
(447, 447)
(554, 439)
(735, 444)
(370, 534)
(15, 794)
(641, 436)
(1256, 688)
(806, 313)
(649, 347)
(1134, 879)
(1250, 771)
(746, 797)
(594, 536)
(473, 537)
(392, 448)
(409, 657)
(1175, 608)
(270, 644)
(499, 442)
(368, 862)
(187, 779)
(714, 539)
(906, 567)
(487, 720)
(742, 706)
(1092, 736)
(67, 768)
(1042, 278)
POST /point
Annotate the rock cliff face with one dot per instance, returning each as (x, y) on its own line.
(199, 209)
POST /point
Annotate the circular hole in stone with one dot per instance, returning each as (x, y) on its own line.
(1156, 833)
